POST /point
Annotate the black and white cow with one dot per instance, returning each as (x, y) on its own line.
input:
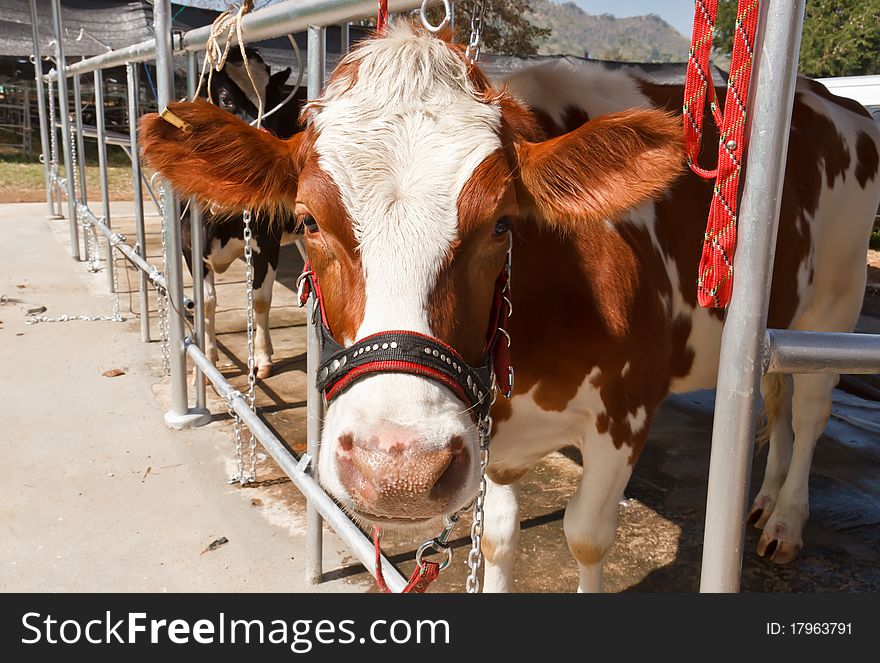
(224, 233)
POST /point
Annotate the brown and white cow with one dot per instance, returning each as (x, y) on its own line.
(411, 174)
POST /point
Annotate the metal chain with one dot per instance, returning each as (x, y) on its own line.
(74, 167)
(238, 477)
(242, 477)
(53, 136)
(115, 267)
(475, 555)
(251, 359)
(472, 53)
(162, 294)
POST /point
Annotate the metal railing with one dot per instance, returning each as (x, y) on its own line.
(275, 21)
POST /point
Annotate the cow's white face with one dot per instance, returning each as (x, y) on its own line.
(406, 180)
(400, 137)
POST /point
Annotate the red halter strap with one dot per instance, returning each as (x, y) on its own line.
(715, 279)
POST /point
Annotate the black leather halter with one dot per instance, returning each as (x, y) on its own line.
(402, 351)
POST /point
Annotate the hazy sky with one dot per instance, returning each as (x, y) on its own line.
(679, 13)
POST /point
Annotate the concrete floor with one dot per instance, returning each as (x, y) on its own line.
(151, 540)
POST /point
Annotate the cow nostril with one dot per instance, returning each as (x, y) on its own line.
(454, 476)
(346, 442)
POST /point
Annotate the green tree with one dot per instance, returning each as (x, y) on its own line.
(841, 37)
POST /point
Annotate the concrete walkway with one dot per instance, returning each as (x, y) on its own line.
(97, 494)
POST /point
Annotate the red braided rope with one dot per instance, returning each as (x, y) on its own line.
(382, 17)
(715, 278)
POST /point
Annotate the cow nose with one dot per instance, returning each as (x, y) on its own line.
(402, 479)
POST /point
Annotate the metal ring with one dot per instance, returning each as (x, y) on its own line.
(506, 335)
(423, 14)
(432, 544)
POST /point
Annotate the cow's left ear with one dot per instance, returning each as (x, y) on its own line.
(603, 168)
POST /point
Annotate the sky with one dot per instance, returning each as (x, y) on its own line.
(678, 13)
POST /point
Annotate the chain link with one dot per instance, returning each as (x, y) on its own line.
(475, 555)
(472, 53)
(53, 158)
(251, 359)
(242, 477)
(162, 294)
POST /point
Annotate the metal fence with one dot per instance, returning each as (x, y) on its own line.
(748, 348)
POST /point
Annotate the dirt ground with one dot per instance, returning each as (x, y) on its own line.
(661, 521)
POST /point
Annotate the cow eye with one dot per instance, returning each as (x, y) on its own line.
(309, 223)
(225, 100)
(502, 225)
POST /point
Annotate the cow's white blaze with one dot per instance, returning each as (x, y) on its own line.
(400, 142)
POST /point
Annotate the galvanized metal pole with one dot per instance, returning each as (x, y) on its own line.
(733, 431)
(41, 109)
(317, 53)
(64, 109)
(102, 167)
(137, 192)
(197, 235)
(80, 153)
(80, 142)
(345, 38)
(180, 415)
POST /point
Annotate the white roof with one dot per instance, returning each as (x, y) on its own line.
(864, 89)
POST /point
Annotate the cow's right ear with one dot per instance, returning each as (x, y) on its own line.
(221, 159)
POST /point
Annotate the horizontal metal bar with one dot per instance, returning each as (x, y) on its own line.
(790, 351)
(275, 21)
(117, 241)
(356, 541)
(295, 16)
(111, 137)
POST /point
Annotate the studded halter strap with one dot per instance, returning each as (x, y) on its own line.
(402, 351)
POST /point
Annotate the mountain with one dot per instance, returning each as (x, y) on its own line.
(635, 39)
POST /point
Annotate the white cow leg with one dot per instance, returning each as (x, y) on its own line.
(591, 515)
(777, 393)
(210, 317)
(500, 535)
(782, 538)
(262, 339)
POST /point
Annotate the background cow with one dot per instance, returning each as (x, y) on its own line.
(232, 91)
(411, 177)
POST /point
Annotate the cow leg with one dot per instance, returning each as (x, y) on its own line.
(210, 313)
(782, 537)
(500, 535)
(590, 522)
(777, 393)
(262, 340)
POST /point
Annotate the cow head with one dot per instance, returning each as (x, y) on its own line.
(410, 175)
(232, 90)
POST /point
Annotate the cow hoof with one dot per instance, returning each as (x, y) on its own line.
(773, 545)
(264, 371)
(762, 508)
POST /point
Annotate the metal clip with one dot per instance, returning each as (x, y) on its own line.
(174, 120)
